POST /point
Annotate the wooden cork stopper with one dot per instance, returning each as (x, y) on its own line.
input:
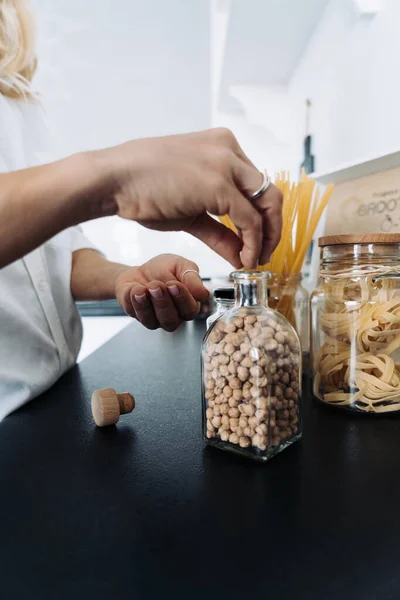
(107, 406)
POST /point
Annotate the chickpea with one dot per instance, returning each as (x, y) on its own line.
(219, 349)
(227, 391)
(209, 395)
(244, 442)
(271, 323)
(215, 362)
(249, 431)
(230, 328)
(237, 395)
(250, 320)
(216, 421)
(224, 409)
(278, 391)
(281, 423)
(223, 359)
(262, 403)
(262, 429)
(220, 382)
(256, 371)
(261, 415)
(233, 367)
(217, 400)
(255, 392)
(243, 373)
(271, 346)
(280, 350)
(253, 422)
(229, 349)
(246, 394)
(233, 412)
(243, 422)
(253, 333)
(210, 434)
(225, 435)
(216, 411)
(249, 409)
(246, 362)
(210, 385)
(239, 430)
(232, 402)
(211, 403)
(259, 441)
(280, 337)
(268, 332)
(225, 421)
(245, 348)
(237, 356)
(235, 383)
(224, 371)
(276, 441)
(209, 413)
(238, 322)
(210, 426)
(234, 438)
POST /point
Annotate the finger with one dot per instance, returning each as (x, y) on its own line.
(143, 307)
(185, 303)
(163, 305)
(217, 237)
(192, 280)
(247, 218)
(270, 204)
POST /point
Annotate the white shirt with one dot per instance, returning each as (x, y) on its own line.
(40, 327)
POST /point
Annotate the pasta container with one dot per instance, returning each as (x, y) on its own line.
(355, 318)
(251, 375)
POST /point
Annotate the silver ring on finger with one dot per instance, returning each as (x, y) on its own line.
(190, 271)
(263, 188)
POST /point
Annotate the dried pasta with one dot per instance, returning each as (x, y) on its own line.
(356, 366)
(303, 206)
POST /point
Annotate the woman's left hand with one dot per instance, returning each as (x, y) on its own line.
(158, 293)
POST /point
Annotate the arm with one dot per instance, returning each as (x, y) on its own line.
(38, 203)
(158, 293)
(170, 184)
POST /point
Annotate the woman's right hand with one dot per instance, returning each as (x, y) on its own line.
(174, 183)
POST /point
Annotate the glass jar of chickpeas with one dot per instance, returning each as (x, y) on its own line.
(251, 375)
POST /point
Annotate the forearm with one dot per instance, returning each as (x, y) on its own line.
(93, 277)
(38, 203)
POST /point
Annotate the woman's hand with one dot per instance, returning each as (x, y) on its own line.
(176, 182)
(158, 294)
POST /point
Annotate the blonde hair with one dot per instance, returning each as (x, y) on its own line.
(17, 48)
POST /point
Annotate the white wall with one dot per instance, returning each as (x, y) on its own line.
(112, 70)
(349, 70)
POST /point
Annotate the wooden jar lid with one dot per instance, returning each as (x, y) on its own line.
(359, 238)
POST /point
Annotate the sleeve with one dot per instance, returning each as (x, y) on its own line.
(80, 242)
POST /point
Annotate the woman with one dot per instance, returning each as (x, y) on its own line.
(46, 264)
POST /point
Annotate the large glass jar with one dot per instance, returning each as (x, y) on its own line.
(355, 314)
(288, 296)
(251, 375)
(224, 299)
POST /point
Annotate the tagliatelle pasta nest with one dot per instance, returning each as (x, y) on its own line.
(356, 366)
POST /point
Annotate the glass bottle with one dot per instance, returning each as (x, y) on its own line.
(251, 375)
(355, 315)
(224, 299)
(288, 296)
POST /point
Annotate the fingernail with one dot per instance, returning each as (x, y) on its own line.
(157, 294)
(173, 290)
(141, 299)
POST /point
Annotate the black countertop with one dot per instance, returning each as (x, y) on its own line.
(146, 510)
